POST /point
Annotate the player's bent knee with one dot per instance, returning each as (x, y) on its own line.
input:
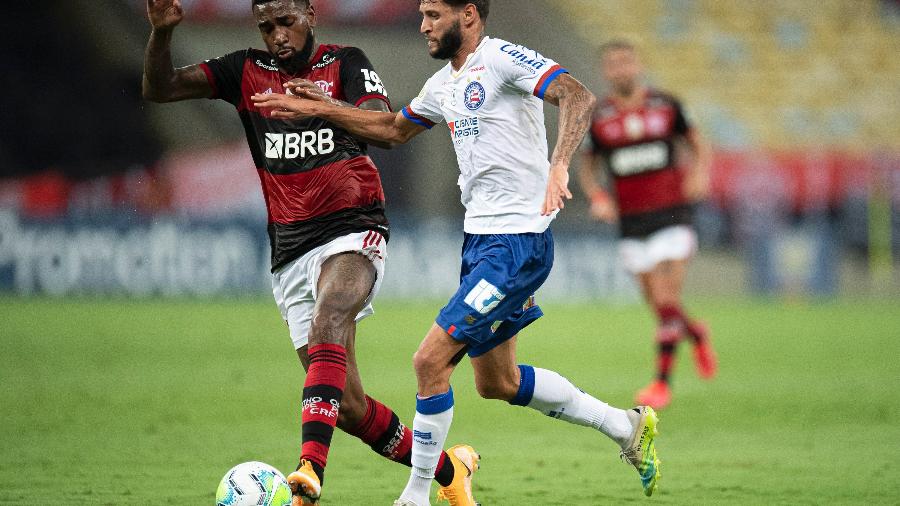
(423, 364)
(430, 367)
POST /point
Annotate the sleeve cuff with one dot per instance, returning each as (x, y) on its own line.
(548, 77)
(374, 96)
(416, 118)
(211, 78)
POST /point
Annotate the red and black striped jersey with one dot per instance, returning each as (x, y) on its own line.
(638, 148)
(317, 179)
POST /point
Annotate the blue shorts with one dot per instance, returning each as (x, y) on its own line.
(495, 300)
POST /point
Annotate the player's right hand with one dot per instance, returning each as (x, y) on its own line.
(164, 14)
(306, 89)
(604, 209)
(283, 106)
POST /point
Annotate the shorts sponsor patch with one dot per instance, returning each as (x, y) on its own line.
(484, 297)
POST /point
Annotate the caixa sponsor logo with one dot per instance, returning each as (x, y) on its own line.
(464, 128)
(300, 145)
(524, 56)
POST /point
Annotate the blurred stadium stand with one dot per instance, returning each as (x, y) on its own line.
(767, 73)
(800, 99)
(62, 108)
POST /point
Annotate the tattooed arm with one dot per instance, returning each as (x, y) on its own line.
(307, 89)
(387, 127)
(576, 105)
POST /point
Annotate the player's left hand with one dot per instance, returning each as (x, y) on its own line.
(557, 190)
(283, 106)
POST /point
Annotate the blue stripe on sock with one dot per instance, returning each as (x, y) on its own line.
(435, 404)
(526, 386)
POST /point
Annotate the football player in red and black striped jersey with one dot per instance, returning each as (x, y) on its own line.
(657, 166)
(327, 224)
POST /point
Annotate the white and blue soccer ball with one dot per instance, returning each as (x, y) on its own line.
(253, 484)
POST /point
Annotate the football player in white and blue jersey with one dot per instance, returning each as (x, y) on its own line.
(490, 96)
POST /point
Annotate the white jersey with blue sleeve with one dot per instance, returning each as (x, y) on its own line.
(494, 109)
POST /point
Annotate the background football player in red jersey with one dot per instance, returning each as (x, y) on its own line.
(657, 166)
(325, 204)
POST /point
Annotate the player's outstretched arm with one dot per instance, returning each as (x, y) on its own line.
(697, 177)
(308, 89)
(576, 105)
(376, 125)
(162, 81)
(602, 206)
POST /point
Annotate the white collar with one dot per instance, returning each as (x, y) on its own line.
(471, 55)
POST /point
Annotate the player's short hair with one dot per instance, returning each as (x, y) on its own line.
(304, 2)
(483, 6)
(618, 43)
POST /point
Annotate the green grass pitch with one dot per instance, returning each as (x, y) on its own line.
(150, 402)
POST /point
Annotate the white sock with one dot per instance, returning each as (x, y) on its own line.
(556, 397)
(430, 427)
(618, 426)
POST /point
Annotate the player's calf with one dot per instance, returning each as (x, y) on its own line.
(322, 393)
(344, 284)
(353, 410)
(431, 424)
(555, 396)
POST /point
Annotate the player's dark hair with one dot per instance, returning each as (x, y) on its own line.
(483, 6)
(617, 44)
(259, 2)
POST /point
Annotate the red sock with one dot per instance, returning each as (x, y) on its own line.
(382, 431)
(322, 392)
(695, 330)
(671, 326)
(665, 360)
(670, 314)
(674, 314)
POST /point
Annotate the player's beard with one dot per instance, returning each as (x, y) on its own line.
(449, 43)
(626, 88)
(301, 58)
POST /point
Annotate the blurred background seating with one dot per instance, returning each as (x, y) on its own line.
(800, 100)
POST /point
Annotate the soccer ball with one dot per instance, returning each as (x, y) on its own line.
(253, 484)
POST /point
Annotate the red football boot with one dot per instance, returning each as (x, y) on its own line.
(657, 395)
